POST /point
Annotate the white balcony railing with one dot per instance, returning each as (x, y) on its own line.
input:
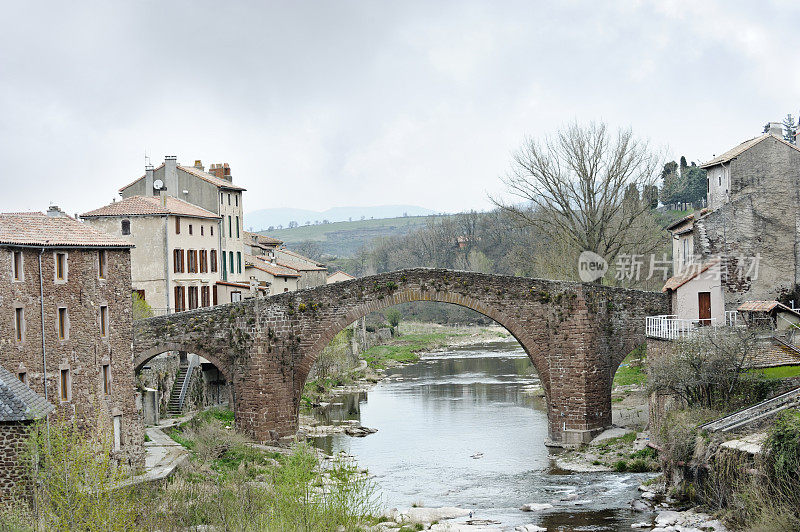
(732, 318)
(669, 327)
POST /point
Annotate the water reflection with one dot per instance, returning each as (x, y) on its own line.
(461, 429)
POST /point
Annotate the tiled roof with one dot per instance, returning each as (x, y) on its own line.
(341, 273)
(262, 241)
(692, 271)
(150, 205)
(765, 306)
(679, 222)
(273, 269)
(37, 229)
(205, 176)
(292, 259)
(741, 148)
(214, 180)
(18, 402)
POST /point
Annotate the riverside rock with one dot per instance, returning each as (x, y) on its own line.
(428, 515)
(536, 506)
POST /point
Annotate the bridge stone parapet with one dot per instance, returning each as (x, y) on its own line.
(575, 334)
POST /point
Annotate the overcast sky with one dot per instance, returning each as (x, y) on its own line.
(324, 104)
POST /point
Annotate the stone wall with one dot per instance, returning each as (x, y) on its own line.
(12, 470)
(762, 218)
(84, 351)
(575, 334)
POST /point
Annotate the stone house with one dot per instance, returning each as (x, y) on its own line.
(65, 324)
(176, 259)
(309, 272)
(213, 191)
(20, 407)
(312, 273)
(746, 244)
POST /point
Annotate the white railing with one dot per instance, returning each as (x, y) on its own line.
(669, 327)
(731, 318)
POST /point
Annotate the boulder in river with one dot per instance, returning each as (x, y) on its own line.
(428, 515)
(359, 431)
(535, 506)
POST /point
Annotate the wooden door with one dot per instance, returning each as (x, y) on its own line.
(704, 304)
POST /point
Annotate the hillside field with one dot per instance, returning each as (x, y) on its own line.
(344, 239)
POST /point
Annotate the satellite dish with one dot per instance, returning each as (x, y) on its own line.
(158, 184)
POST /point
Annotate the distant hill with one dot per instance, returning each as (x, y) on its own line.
(264, 218)
(344, 239)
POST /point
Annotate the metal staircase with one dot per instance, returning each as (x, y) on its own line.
(180, 387)
(754, 413)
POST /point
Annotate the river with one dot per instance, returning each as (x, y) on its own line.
(458, 428)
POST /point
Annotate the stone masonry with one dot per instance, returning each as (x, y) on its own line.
(575, 334)
(84, 351)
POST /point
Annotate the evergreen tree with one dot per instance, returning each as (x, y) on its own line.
(650, 196)
(789, 129)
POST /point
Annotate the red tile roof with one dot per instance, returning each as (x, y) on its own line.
(692, 271)
(150, 206)
(272, 269)
(292, 259)
(38, 229)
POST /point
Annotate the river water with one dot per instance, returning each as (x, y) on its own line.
(461, 428)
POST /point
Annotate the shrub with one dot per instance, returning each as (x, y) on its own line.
(393, 317)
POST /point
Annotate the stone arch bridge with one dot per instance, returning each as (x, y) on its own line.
(575, 334)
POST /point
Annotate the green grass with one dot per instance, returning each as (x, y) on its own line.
(779, 372)
(405, 348)
(631, 371)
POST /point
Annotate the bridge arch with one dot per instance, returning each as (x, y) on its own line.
(336, 325)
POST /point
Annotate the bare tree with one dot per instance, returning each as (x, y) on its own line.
(573, 186)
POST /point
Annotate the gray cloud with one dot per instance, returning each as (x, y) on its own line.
(322, 104)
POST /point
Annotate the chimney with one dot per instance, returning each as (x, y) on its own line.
(221, 170)
(776, 129)
(163, 194)
(199, 165)
(171, 174)
(54, 212)
(148, 180)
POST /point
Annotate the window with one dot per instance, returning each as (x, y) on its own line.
(685, 250)
(237, 227)
(19, 323)
(103, 320)
(180, 299)
(236, 296)
(190, 229)
(202, 230)
(205, 298)
(63, 323)
(224, 267)
(203, 261)
(126, 227)
(101, 264)
(16, 266)
(212, 229)
(23, 377)
(177, 261)
(214, 260)
(221, 198)
(177, 225)
(106, 373)
(236, 197)
(230, 256)
(239, 261)
(64, 384)
(719, 179)
(230, 226)
(214, 294)
(139, 294)
(229, 199)
(61, 266)
(192, 297)
(191, 258)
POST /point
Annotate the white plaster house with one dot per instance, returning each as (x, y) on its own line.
(270, 276)
(175, 261)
